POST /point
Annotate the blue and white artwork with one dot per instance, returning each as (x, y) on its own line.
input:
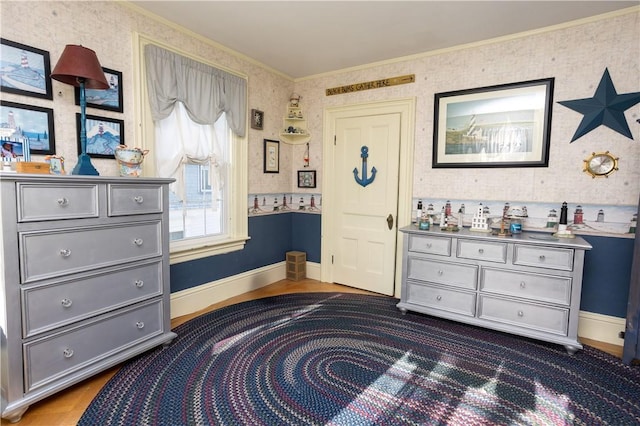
(24, 70)
(20, 123)
(108, 99)
(103, 136)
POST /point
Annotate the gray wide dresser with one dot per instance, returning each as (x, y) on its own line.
(85, 279)
(527, 284)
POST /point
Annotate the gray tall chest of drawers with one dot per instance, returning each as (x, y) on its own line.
(85, 279)
(528, 284)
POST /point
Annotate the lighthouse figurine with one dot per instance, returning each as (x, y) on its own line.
(563, 230)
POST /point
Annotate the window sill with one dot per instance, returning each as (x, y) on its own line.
(207, 250)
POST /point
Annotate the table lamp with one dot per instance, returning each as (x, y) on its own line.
(79, 67)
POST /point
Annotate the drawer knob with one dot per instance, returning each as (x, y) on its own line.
(440, 272)
(428, 245)
(138, 199)
(66, 302)
(140, 324)
(65, 252)
(67, 353)
(63, 202)
(523, 284)
(480, 251)
(139, 283)
(520, 314)
(541, 257)
(138, 242)
(438, 298)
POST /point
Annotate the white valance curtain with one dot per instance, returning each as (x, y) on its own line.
(205, 91)
(182, 90)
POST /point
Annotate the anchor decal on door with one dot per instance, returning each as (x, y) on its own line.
(364, 153)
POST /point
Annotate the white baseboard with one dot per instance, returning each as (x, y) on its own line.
(197, 298)
(603, 328)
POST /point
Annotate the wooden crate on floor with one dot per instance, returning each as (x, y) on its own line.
(296, 265)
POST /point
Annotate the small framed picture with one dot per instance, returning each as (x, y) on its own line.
(257, 119)
(108, 99)
(271, 156)
(25, 70)
(306, 178)
(103, 136)
(56, 164)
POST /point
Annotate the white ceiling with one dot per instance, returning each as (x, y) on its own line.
(304, 38)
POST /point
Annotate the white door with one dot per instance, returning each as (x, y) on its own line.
(366, 201)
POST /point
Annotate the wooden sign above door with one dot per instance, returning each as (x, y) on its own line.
(375, 84)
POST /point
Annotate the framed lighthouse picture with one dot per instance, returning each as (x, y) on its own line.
(108, 99)
(25, 70)
(103, 136)
(508, 125)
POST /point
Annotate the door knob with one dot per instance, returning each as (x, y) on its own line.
(390, 221)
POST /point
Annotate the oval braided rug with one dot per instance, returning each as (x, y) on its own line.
(349, 359)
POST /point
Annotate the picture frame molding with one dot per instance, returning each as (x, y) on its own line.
(271, 156)
(117, 121)
(450, 108)
(46, 64)
(90, 92)
(51, 148)
(302, 182)
(257, 119)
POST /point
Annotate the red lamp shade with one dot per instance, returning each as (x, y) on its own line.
(77, 62)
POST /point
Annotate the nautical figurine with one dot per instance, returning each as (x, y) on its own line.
(600, 216)
(552, 219)
(419, 211)
(634, 224)
(578, 216)
(563, 230)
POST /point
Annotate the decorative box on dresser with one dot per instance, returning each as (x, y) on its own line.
(85, 279)
(527, 284)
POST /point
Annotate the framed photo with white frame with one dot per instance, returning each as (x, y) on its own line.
(507, 125)
(271, 156)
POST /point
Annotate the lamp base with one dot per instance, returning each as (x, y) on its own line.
(84, 166)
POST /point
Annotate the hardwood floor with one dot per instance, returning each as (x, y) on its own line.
(66, 407)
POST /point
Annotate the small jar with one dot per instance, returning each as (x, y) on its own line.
(516, 226)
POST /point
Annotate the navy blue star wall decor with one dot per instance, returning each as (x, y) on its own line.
(606, 108)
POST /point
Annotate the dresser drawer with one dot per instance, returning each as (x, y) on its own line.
(453, 274)
(546, 288)
(37, 202)
(46, 254)
(134, 199)
(53, 357)
(54, 305)
(543, 257)
(444, 299)
(430, 245)
(547, 319)
(482, 250)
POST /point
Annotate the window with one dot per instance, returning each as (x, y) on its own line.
(208, 200)
(205, 185)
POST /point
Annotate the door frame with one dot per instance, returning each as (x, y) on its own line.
(406, 108)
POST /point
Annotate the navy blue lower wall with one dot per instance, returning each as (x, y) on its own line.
(271, 237)
(607, 274)
(605, 288)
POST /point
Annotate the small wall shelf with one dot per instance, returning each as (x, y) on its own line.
(295, 130)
